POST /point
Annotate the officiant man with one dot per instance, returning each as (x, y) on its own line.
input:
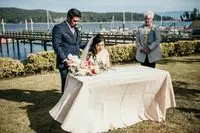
(148, 42)
(66, 40)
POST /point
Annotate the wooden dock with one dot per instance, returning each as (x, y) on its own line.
(45, 39)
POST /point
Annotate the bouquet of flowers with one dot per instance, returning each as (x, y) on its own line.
(88, 67)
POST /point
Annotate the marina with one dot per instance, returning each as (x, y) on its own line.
(19, 40)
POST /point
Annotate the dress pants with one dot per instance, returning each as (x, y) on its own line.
(146, 63)
(63, 75)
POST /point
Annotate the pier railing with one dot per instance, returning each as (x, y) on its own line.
(110, 39)
(47, 37)
(27, 35)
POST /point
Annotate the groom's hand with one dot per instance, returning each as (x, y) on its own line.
(68, 62)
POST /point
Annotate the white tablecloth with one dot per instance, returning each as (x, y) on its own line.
(116, 98)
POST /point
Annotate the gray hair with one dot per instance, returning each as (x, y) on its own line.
(150, 13)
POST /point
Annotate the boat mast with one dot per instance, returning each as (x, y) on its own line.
(132, 18)
(124, 20)
(48, 26)
(49, 18)
(26, 25)
(112, 22)
(31, 25)
(3, 26)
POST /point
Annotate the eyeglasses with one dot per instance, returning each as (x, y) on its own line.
(147, 18)
(75, 21)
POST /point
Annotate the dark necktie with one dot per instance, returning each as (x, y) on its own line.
(75, 34)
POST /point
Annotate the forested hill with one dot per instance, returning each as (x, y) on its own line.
(17, 15)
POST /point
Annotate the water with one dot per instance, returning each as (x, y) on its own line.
(23, 48)
(90, 26)
(95, 27)
(86, 27)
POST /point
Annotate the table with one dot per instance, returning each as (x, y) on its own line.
(119, 97)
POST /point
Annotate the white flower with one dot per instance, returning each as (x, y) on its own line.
(97, 69)
(89, 67)
(75, 59)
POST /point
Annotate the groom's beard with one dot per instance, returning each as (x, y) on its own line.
(74, 26)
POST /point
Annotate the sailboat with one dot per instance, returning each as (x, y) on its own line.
(161, 27)
(3, 40)
(3, 25)
(26, 25)
(112, 26)
(124, 19)
(31, 25)
(49, 18)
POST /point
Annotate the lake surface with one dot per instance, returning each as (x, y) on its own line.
(91, 26)
(24, 50)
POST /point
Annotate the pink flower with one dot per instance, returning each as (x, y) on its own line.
(89, 63)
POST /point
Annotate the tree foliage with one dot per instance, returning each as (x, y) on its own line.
(16, 15)
(190, 16)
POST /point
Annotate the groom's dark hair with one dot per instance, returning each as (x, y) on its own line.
(73, 13)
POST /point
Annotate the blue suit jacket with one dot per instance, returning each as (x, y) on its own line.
(64, 43)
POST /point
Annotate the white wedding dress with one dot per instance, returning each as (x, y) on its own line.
(102, 56)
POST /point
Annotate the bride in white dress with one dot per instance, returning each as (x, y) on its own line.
(96, 49)
(61, 111)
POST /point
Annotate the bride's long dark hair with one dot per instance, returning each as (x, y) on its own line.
(97, 39)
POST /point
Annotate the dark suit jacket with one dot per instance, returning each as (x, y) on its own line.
(64, 43)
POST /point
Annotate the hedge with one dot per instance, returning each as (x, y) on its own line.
(122, 53)
(41, 62)
(119, 54)
(10, 68)
(181, 48)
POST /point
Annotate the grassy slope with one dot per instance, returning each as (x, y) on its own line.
(25, 102)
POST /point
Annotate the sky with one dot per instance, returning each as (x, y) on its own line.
(138, 6)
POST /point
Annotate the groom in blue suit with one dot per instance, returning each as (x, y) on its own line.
(66, 40)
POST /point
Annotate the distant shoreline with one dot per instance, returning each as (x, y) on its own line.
(106, 22)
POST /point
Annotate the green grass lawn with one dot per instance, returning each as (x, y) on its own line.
(26, 101)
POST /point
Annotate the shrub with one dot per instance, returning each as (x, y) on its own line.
(180, 48)
(122, 53)
(10, 68)
(197, 47)
(167, 49)
(41, 62)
